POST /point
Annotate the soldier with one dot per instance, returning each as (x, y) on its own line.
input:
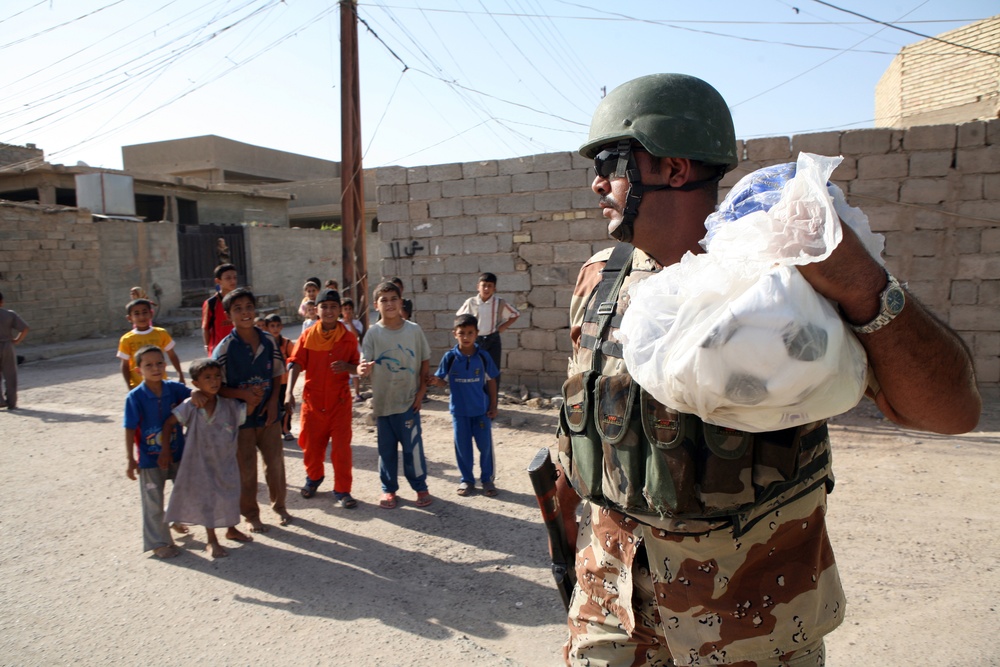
(700, 544)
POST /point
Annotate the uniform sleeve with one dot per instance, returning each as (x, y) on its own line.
(184, 411)
(167, 342)
(299, 354)
(219, 354)
(123, 349)
(443, 366)
(491, 368)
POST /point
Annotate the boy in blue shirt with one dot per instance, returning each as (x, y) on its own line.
(471, 375)
(147, 407)
(252, 366)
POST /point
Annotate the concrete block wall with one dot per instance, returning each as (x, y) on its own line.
(281, 259)
(51, 272)
(933, 191)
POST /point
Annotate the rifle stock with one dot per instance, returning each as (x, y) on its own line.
(543, 476)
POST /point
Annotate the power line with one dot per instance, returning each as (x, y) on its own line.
(912, 32)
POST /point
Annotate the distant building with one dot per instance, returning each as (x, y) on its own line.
(314, 184)
(932, 82)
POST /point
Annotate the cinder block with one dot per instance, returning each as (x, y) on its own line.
(390, 176)
(445, 172)
(974, 318)
(987, 370)
(991, 187)
(493, 185)
(585, 199)
(866, 142)
(820, 143)
(516, 204)
(890, 165)
(497, 264)
(492, 224)
(924, 190)
(972, 134)
(553, 161)
(930, 137)
(416, 175)
(537, 339)
(462, 188)
(517, 165)
(968, 187)
(542, 297)
(550, 318)
(576, 178)
(505, 242)
(769, 149)
(983, 160)
(425, 266)
(536, 253)
(525, 360)
(552, 274)
(480, 245)
(393, 212)
(990, 241)
(445, 245)
(461, 264)
(989, 294)
(445, 208)
(986, 344)
(418, 210)
(573, 253)
(510, 283)
(560, 200)
(426, 229)
(931, 163)
(459, 226)
(550, 231)
(919, 243)
(425, 191)
(529, 182)
(383, 195)
(479, 169)
(480, 205)
(884, 189)
(978, 267)
(963, 292)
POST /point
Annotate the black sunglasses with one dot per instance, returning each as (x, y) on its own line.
(606, 162)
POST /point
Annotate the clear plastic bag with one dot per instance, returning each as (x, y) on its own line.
(736, 335)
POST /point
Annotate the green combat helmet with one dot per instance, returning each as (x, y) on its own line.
(670, 115)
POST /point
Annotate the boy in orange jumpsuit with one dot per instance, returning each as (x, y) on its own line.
(328, 354)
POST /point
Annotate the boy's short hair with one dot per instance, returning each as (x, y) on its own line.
(131, 304)
(273, 317)
(328, 295)
(146, 349)
(238, 293)
(488, 278)
(397, 281)
(466, 320)
(331, 284)
(222, 268)
(199, 366)
(347, 302)
(387, 286)
(407, 308)
(311, 302)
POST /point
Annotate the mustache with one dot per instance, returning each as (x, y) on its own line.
(607, 201)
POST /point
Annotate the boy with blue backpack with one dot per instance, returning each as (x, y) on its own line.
(471, 377)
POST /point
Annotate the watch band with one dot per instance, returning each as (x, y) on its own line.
(891, 302)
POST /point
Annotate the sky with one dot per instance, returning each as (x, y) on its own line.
(442, 81)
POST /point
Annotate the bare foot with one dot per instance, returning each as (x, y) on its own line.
(216, 550)
(180, 528)
(166, 551)
(257, 526)
(286, 518)
(236, 534)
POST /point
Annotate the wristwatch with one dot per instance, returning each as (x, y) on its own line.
(891, 302)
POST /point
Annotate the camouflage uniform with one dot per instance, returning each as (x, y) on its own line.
(661, 583)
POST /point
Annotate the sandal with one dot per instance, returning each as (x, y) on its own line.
(489, 489)
(309, 490)
(388, 501)
(345, 500)
(423, 499)
(465, 489)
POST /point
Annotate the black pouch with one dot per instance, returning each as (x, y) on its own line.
(624, 451)
(580, 436)
(671, 464)
(725, 475)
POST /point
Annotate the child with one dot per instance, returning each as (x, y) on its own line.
(9, 323)
(493, 314)
(310, 315)
(260, 323)
(396, 355)
(139, 313)
(215, 324)
(347, 317)
(471, 377)
(207, 489)
(251, 365)
(331, 284)
(137, 293)
(275, 328)
(328, 353)
(309, 291)
(407, 303)
(147, 407)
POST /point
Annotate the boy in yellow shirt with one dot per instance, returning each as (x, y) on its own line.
(143, 333)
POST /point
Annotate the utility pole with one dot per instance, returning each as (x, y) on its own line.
(352, 199)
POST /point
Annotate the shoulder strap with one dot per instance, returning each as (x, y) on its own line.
(603, 305)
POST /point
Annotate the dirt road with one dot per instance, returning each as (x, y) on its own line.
(464, 581)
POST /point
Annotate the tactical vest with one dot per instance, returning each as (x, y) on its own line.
(631, 453)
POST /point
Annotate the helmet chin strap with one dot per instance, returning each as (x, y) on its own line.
(636, 189)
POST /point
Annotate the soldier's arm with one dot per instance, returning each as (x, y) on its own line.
(923, 369)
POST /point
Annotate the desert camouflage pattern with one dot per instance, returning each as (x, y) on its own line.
(759, 587)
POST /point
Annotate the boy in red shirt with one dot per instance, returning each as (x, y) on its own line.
(215, 322)
(328, 353)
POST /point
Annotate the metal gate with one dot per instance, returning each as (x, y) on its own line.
(204, 247)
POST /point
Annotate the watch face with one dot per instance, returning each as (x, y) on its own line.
(894, 300)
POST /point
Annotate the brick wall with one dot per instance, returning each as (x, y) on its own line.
(933, 191)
